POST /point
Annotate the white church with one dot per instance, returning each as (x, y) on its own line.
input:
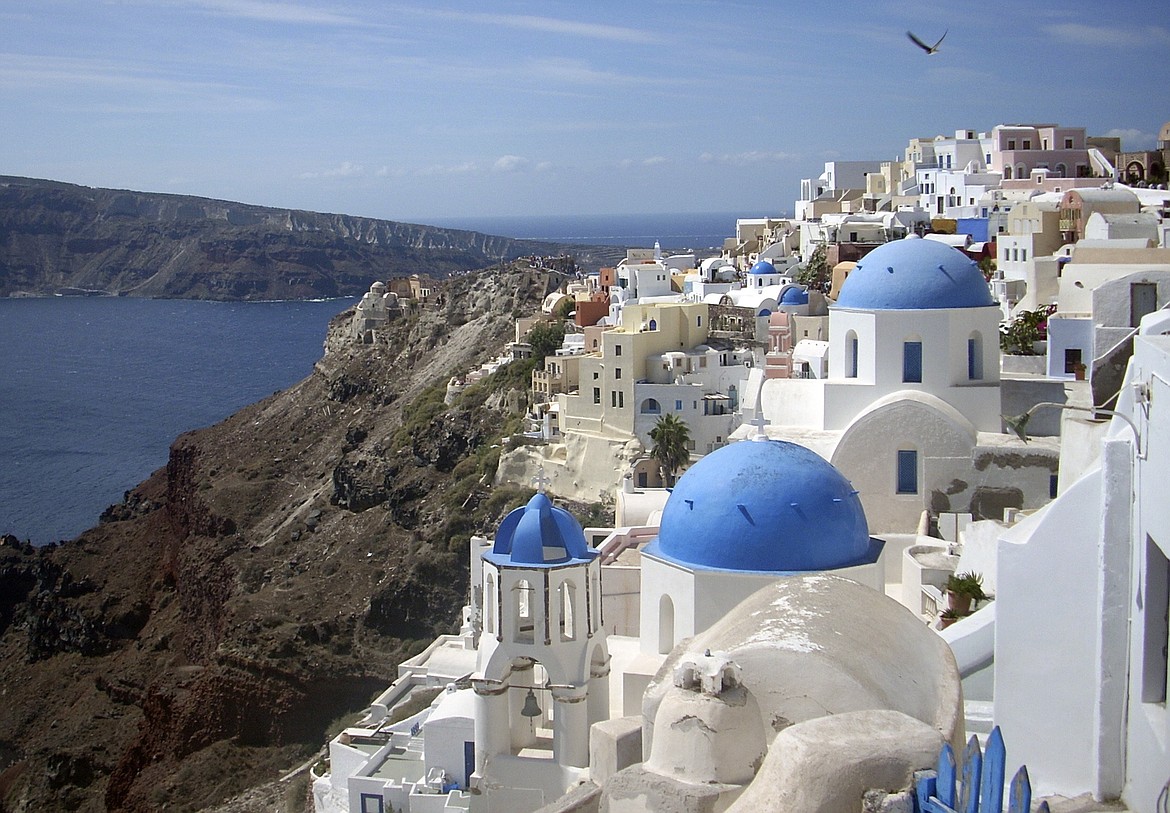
(910, 409)
(762, 590)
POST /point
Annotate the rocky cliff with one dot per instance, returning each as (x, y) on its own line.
(263, 586)
(58, 238)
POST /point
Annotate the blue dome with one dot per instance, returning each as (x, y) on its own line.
(764, 506)
(915, 274)
(539, 533)
(794, 295)
(762, 267)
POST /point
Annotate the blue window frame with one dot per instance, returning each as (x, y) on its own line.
(912, 362)
(907, 471)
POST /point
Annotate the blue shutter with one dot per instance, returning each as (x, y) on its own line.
(907, 471)
(912, 362)
(852, 357)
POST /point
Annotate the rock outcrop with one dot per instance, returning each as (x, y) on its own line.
(264, 585)
(59, 238)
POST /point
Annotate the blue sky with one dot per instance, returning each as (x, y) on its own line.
(421, 111)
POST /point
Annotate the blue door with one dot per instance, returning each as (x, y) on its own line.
(468, 762)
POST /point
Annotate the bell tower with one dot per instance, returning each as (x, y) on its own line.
(541, 676)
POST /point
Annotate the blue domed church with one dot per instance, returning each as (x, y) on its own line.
(740, 518)
(913, 381)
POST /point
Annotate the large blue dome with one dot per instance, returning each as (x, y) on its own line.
(915, 274)
(764, 505)
(762, 267)
(539, 534)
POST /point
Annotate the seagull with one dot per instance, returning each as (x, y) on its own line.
(930, 49)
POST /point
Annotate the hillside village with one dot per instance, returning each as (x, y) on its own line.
(885, 475)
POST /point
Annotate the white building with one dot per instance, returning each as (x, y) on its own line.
(910, 410)
(1078, 631)
(586, 664)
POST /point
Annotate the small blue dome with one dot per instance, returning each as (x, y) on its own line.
(794, 295)
(762, 267)
(915, 274)
(764, 506)
(539, 533)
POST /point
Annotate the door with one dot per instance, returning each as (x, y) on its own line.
(1143, 299)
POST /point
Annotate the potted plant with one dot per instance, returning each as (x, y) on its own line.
(1079, 370)
(962, 590)
(947, 617)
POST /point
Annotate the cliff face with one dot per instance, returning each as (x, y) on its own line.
(267, 582)
(61, 238)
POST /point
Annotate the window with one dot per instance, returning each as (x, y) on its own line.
(851, 355)
(912, 362)
(597, 395)
(698, 321)
(1053, 485)
(373, 804)
(617, 349)
(907, 471)
(613, 398)
(489, 605)
(596, 375)
(621, 400)
(525, 624)
(678, 406)
(1072, 358)
(1068, 143)
(975, 358)
(617, 372)
(568, 592)
(1011, 143)
(1156, 627)
(654, 324)
(1027, 143)
(651, 407)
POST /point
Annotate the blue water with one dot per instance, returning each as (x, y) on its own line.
(672, 231)
(93, 391)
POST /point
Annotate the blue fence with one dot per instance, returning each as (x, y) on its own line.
(980, 790)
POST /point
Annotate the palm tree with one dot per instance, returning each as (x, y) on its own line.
(671, 438)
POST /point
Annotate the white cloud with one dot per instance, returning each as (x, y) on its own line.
(743, 159)
(547, 25)
(1132, 139)
(1081, 34)
(273, 12)
(654, 161)
(346, 169)
(447, 169)
(510, 163)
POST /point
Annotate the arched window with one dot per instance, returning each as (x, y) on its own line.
(1007, 173)
(651, 407)
(568, 600)
(665, 625)
(1061, 171)
(523, 619)
(489, 605)
(975, 356)
(654, 324)
(1021, 171)
(851, 349)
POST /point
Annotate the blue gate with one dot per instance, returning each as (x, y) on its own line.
(981, 788)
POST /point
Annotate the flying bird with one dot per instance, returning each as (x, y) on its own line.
(930, 49)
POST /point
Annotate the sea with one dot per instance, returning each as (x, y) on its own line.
(93, 390)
